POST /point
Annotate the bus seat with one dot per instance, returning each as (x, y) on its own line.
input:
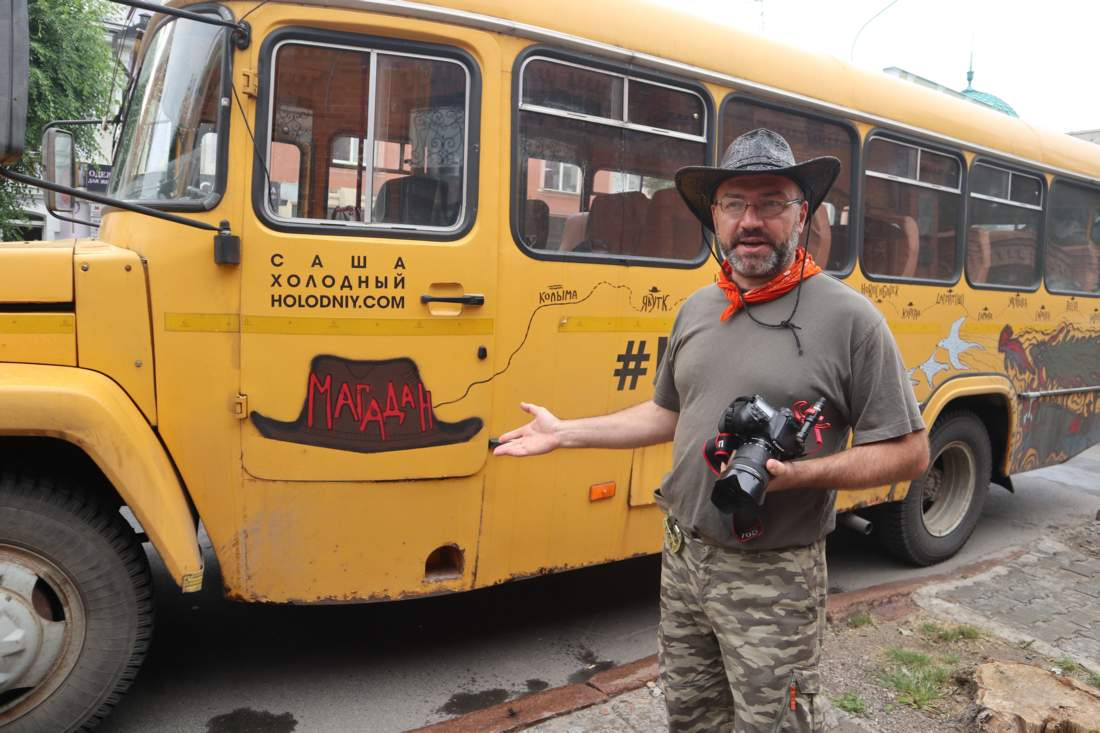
(1012, 257)
(572, 232)
(979, 255)
(615, 223)
(838, 255)
(890, 244)
(1073, 267)
(820, 242)
(414, 199)
(536, 223)
(670, 230)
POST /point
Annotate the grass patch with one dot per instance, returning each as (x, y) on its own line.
(967, 632)
(917, 680)
(950, 633)
(858, 619)
(1068, 665)
(950, 659)
(908, 657)
(851, 703)
(1094, 680)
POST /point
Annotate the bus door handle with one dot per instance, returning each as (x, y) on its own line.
(467, 299)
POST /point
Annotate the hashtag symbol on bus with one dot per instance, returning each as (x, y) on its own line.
(632, 365)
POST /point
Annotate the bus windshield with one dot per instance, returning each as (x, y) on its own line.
(168, 148)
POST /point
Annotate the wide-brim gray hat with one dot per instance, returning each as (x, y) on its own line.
(757, 152)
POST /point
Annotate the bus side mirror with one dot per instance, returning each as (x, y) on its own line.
(14, 70)
(59, 161)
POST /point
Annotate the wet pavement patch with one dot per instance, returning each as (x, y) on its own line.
(588, 672)
(244, 720)
(537, 685)
(592, 665)
(467, 702)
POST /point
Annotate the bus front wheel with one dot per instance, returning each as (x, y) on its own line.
(76, 608)
(943, 506)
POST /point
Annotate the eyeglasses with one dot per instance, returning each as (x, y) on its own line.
(766, 209)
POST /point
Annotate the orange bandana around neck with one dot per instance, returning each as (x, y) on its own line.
(781, 284)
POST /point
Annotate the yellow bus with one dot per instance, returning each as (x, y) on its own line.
(415, 216)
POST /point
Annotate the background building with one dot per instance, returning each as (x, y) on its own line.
(123, 33)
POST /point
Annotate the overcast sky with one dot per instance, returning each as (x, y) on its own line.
(1039, 57)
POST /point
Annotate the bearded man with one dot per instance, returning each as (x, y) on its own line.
(743, 595)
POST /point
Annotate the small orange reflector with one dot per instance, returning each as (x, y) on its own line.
(601, 491)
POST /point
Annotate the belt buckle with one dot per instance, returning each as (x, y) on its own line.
(674, 537)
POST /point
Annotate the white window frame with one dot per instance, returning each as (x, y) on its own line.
(547, 165)
(354, 160)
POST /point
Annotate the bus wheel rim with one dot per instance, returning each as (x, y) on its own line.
(43, 624)
(948, 489)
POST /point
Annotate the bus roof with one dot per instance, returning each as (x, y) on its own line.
(637, 33)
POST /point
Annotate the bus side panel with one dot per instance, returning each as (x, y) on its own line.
(1053, 427)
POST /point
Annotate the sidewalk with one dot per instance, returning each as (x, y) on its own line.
(1046, 597)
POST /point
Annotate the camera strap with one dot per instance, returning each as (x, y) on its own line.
(714, 455)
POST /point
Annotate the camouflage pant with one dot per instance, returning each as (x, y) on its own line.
(739, 631)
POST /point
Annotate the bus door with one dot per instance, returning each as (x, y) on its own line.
(604, 251)
(368, 291)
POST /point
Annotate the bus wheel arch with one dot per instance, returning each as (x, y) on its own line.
(59, 457)
(997, 414)
(93, 414)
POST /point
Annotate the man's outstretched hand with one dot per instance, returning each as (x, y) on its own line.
(536, 437)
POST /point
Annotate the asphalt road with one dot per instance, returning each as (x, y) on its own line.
(220, 667)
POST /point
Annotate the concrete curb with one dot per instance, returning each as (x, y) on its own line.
(530, 709)
(886, 599)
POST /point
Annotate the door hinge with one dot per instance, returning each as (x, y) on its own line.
(251, 85)
(240, 406)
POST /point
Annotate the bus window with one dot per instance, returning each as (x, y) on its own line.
(596, 171)
(910, 212)
(663, 108)
(176, 102)
(570, 88)
(1002, 239)
(387, 150)
(1072, 263)
(829, 238)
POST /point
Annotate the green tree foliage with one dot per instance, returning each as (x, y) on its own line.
(70, 78)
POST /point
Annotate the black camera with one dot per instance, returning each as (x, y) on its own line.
(756, 431)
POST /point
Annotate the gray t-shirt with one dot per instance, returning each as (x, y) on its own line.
(849, 358)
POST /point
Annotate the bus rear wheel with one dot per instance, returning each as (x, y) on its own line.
(76, 607)
(942, 507)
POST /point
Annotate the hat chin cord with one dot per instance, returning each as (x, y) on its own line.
(786, 322)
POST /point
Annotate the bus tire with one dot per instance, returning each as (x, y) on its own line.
(76, 598)
(942, 507)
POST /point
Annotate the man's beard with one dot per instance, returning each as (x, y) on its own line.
(774, 262)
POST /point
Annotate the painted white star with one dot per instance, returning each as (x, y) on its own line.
(931, 368)
(954, 345)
